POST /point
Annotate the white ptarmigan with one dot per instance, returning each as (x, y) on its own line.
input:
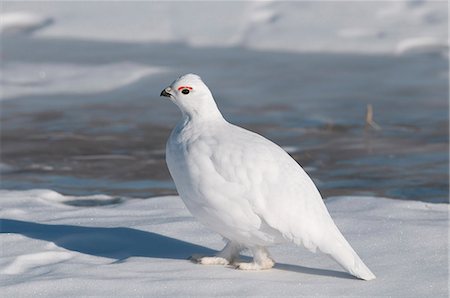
(245, 187)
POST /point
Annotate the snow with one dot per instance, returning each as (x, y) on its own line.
(138, 247)
(396, 27)
(295, 26)
(422, 44)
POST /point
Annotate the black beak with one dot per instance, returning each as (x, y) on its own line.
(165, 93)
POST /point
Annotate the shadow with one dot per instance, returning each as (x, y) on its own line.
(121, 243)
(306, 270)
(115, 243)
(314, 271)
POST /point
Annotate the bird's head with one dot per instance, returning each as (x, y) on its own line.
(191, 96)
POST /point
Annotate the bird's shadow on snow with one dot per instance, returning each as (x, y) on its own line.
(116, 243)
(314, 271)
(120, 243)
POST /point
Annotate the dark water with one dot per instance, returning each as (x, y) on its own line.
(312, 104)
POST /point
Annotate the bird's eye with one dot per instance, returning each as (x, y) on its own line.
(185, 89)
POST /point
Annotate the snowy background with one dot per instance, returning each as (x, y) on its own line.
(81, 120)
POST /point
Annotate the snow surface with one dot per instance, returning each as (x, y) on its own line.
(296, 26)
(394, 27)
(52, 247)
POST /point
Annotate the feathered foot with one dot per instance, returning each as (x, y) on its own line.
(225, 257)
(261, 260)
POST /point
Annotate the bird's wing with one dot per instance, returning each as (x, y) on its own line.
(283, 195)
(278, 189)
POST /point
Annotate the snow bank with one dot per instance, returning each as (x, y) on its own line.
(423, 45)
(132, 247)
(298, 26)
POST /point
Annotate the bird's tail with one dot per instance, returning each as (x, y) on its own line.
(344, 254)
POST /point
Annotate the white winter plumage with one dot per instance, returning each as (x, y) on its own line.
(245, 187)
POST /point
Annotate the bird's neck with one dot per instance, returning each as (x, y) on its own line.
(206, 112)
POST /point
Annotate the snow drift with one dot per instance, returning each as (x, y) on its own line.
(140, 247)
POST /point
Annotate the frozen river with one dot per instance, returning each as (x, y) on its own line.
(85, 117)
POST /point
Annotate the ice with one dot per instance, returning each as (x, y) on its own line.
(21, 22)
(4, 168)
(20, 78)
(139, 247)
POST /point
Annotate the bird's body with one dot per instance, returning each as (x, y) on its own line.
(245, 187)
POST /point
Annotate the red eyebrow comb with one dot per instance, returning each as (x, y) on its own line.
(184, 87)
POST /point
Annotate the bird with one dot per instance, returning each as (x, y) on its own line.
(245, 187)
